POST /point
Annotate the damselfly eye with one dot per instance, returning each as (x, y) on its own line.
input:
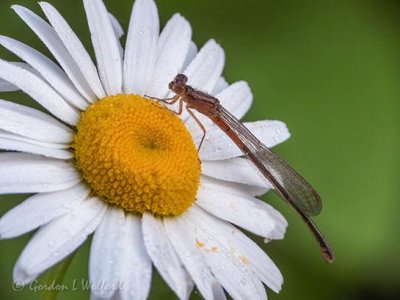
(181, 78)
(178, 85)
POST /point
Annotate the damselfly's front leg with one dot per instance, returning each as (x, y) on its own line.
(200, 125)
(170, 101)
(165, 100)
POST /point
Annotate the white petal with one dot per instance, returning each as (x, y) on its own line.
(119, 31)
(105, 45)
(39, 209)
(141, 46)
(48, 70)
(58, 239)
(245, 211)
(15, 137)
(136, 268)
(31, 123)
(217, 145)
(26, 66)
(234, 170)
(164, 256)
(205, 69)
(106, 253)
(221, 85)
(26, 173)
(39, 90)
(185, 246)
(192, 52)
(249, 254)
(49, 37)
(75, 48)
(236, 98)
(5, 86)
(221, 246)
(172, 50)
(233, 187)
(12, 142)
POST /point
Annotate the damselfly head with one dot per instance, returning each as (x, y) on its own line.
(178, 85)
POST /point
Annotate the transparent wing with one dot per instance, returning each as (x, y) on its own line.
(288, 183)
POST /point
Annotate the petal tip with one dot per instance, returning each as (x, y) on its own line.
(45, 5)
(19, 8)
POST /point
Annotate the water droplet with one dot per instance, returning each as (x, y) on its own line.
(243, 282)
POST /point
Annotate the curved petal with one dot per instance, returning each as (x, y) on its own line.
(164, 256)
(119, 31)
(236, 98)
(217, 145)
(141, 46)
(75, 48)
(39, 209)
(26, 173)
(16, 137)
(232, 187)
(26, 66)
(245, 211)
(136, 268)
(47, 69)
(187, 249)
(33, 124)
(205, 69)
(173, 47)
(39, 90)
(223, 251)
(58, 239)
(5, 86)
(49, 37)
(105, 45)
(12, 142)
(192, 52)
(221, 85)
(236, 169)
(106, 253)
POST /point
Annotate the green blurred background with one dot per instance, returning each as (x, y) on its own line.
(331, 71)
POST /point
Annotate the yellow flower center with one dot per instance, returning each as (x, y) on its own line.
(137, 154)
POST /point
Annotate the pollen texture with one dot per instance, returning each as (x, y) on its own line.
(136, 154)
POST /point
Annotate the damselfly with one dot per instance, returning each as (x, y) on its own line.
(287, 183)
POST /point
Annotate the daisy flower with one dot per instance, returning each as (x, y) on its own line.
(101, 158)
